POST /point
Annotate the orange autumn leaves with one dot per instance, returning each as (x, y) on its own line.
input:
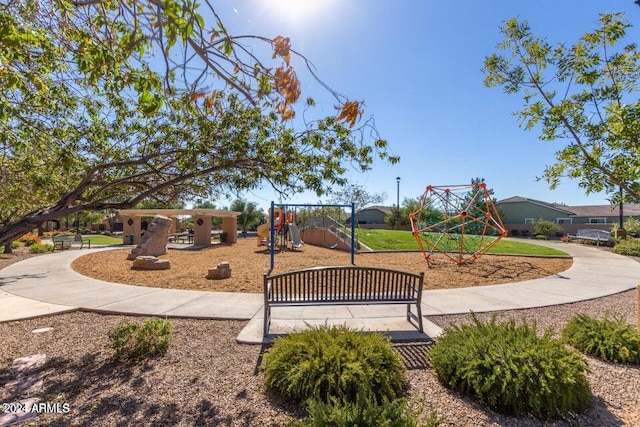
(287, 84)
(284, 81)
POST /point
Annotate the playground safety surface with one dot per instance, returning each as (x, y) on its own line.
(249, 261)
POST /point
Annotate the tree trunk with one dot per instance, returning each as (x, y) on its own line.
(8, 249)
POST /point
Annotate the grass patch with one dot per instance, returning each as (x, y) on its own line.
(100, 239)
(379, 240)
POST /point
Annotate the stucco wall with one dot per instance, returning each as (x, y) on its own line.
(325, 238)
(516, 212)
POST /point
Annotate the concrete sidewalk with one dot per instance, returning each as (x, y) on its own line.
(47, 284)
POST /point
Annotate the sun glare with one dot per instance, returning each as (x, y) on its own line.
(297, 10)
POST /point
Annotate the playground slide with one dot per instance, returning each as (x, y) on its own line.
(296, 241)
(264, 230)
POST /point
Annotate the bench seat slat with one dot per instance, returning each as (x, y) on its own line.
(596, 235)
(344, 285)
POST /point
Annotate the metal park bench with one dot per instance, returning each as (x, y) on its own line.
(592, 235)
(64, 241)
(343, 286)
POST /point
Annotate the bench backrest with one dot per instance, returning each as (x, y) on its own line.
(343, 284)
(594, 233)
(63, 238)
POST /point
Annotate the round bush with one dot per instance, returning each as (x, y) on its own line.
(334, 362)
(133, 341)
(364, 413)
(613, 340)
(40, 248)
(512, 369)
(30, 239)
(627, 247)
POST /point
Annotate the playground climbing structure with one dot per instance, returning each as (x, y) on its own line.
(459, 221)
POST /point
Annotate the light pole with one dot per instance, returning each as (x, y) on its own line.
(621, 233)
(398, 204)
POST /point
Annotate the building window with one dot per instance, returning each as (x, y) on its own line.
(528, 220)
(597, 220)
(564, 220)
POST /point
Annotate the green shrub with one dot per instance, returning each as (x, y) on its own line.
(40, 248)
(135, 341)
(541, 237)
(334, 362)
(613, 340)
(16, 244)
(627, 247)
(546, 228)
(631, 225)
(511, 369)
(30, 239)
(364, 412)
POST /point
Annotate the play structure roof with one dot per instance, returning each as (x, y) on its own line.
(176, 212)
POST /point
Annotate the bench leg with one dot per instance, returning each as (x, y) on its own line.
(415, 318)
(267, 321)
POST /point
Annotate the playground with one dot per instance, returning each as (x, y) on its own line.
(248, 263)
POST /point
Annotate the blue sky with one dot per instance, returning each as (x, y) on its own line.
(417, 65)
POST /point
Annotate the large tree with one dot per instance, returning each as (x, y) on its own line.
(89, 120)
(358, 195)
(250, 216)
(409, 206)
(584, 94)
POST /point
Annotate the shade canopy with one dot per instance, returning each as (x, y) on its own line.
(175, 212)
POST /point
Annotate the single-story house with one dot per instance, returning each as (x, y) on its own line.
(371, 215)
(519, 213)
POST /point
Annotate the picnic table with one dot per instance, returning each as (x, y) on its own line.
(181, 238)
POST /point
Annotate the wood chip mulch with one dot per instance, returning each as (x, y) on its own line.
(249, 262)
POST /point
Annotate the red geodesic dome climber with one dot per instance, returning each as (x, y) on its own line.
(459, 221)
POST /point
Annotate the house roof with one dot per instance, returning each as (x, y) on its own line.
(587, 211)
(554, 206)
(593, 211)
(384, 209)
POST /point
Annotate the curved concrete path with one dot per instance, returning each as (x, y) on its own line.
(47, 284)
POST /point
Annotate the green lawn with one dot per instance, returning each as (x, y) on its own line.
(404, 240)
(99, 239)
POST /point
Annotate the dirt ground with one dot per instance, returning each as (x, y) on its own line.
(248, 263)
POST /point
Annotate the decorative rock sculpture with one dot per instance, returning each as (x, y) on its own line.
(147, 262)
(222, 271)
(154, 240)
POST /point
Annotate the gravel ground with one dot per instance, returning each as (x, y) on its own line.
(207, 379)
